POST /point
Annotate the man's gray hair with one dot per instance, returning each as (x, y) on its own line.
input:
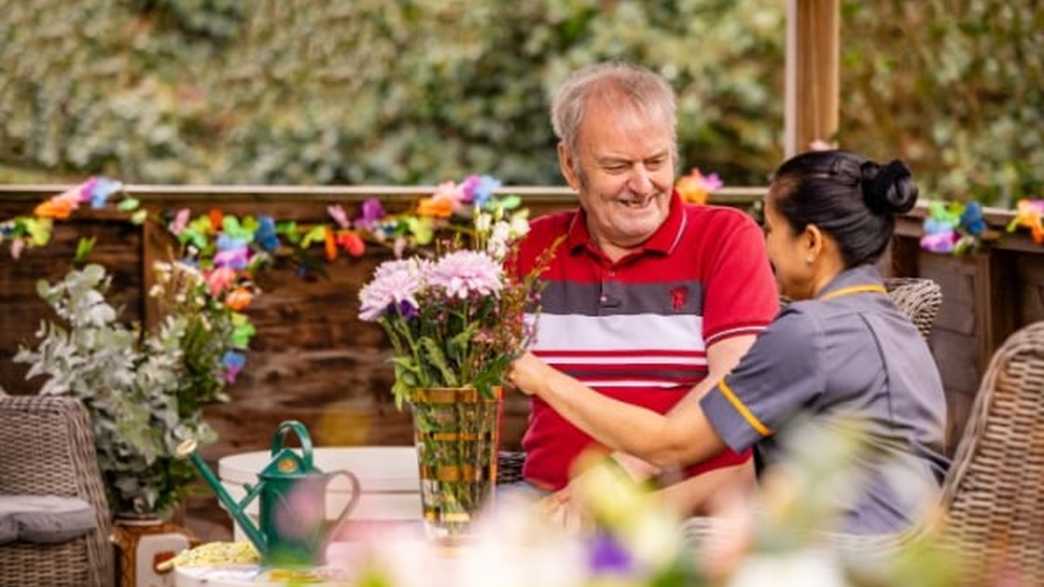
(644, 90)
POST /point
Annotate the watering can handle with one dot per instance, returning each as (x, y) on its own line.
(302, 433)
(352, 501)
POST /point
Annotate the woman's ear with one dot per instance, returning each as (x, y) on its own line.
(812, 242)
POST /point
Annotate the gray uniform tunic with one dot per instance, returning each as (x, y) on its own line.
(847, 355)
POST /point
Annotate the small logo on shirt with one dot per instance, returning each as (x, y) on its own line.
(679, 297)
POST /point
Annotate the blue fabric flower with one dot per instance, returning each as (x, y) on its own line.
(484, 189)
(266, 234)
(972, 220)
(101, 189)
(233, 363)
(228, 243)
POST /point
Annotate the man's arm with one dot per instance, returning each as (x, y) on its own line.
(682, 436)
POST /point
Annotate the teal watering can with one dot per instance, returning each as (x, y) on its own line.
(293, 529)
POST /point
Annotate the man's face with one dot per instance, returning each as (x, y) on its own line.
(623, 169)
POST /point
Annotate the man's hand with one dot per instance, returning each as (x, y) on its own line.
(563, 510)
(529, 374)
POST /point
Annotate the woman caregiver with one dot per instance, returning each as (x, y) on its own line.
(840, 351)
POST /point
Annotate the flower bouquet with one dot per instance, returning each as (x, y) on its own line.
(455, 322)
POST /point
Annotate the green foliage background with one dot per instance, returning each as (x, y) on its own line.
(419, 91)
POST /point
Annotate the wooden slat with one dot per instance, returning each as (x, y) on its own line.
(811, 108)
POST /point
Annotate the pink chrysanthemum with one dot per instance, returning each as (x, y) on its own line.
(465, 272)
(394, 283)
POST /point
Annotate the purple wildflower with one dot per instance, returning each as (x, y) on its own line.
(607, 556)
(407, 310)
(466, 272)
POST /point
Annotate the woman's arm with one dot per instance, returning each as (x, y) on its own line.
(682, 436)
(700, 495)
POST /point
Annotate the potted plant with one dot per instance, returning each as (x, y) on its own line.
(144, 393)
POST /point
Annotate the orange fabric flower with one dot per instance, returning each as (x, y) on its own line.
(351, 243)
(54, 208)
(696, 187)
(440, 207)
(216, 219)
(239, 299)
(331, 244)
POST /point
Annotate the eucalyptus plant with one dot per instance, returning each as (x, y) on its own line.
(144, 392)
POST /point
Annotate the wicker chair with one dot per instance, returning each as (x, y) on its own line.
(918, 298)
(995, 487)
(47, 448)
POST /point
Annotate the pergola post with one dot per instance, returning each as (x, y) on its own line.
(812, 73)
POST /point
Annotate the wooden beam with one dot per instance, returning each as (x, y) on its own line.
(812, 73)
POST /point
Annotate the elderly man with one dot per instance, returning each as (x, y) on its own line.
(647, 299)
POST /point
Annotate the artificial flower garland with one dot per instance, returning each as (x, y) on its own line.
(229, 250)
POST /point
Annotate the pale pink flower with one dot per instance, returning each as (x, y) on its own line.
(16, 248)
(465, 272)
(394, 283)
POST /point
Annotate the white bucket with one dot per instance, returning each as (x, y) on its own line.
(387, 476)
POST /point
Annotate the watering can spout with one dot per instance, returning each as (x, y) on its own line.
(187, 449)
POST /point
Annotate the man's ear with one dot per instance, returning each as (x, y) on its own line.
(567, 163)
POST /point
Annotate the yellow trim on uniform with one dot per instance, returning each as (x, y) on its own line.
(854, 289)
(742, 409)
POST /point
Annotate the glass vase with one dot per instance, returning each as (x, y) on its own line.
(457, 434)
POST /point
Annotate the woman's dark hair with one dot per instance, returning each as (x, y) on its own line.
(847, 196)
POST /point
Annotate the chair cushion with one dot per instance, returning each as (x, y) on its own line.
(44, 518)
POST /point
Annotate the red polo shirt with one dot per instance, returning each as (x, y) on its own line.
(637, 330)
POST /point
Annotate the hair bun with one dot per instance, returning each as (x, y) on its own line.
(889, 189)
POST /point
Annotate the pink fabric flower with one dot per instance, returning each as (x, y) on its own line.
(177, 226)
(340, 217)
(466, 272)
(17, 245)
(219, 279)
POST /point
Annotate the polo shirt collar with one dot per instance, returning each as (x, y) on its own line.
(663, 241)
(856, 276)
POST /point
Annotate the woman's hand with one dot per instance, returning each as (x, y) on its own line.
(529, 374)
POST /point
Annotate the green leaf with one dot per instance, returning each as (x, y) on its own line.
(139, 217)
(438, 360)
(457, 346)
(83, 248)
(128, 204)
